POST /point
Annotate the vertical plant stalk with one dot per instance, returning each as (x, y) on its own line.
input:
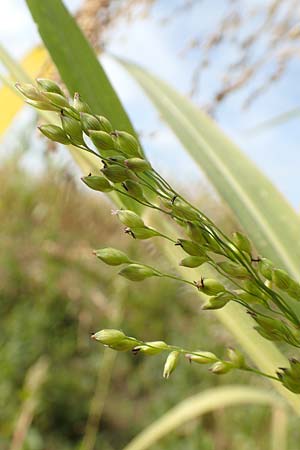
(279, 429)
(14, 70)
(36, 376)
(104, 376)
(98, 399)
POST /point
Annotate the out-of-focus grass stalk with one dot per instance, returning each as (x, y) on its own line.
(104, 374)
(275, 121)
(108, 356)
(98, 399)
(279, 432)
(14, 70)
(35, 377)
(197, 405)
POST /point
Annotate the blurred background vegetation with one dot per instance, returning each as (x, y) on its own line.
(59, 390)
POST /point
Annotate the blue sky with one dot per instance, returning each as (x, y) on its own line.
(155, 47)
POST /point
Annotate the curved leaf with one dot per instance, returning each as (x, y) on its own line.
(10, 101)
(196, 406)
(269, 220)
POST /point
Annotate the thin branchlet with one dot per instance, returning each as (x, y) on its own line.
(118, 341)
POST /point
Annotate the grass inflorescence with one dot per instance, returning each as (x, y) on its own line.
(250, 279)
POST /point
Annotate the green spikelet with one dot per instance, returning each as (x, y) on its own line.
(46, 85)
(234, 270)
(265, 267)
(89, 122)
(151, 348)
(138, 272)
(191, 247)
(97, 183)
(112, 256)
(102, 140)
(242, 242)
(80, 105)
(209, 286)
(171, 364)
(218, 301)
(128, 144)
(72, 128)
(57, 99)
(193, 261)
(54, 133)
(115, 173)
(137, 164)
(109, 336)
(105, 124)
(281, 279)
(130, 218)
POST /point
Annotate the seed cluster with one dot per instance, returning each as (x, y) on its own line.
(250, 280)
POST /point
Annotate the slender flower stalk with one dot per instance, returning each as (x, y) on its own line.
(117, 340)
(242, 276)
